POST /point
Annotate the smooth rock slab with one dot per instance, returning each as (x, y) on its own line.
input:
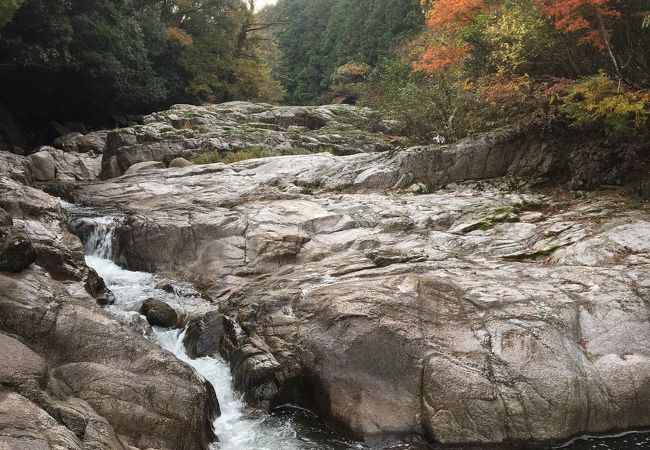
(393, 314)
(142, 166)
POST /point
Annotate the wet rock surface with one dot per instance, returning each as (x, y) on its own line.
(471, 315)
(72, 376)
(16, 250)
(159, 313)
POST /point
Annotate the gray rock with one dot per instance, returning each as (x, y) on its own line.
(5, 219)
(76, 166)
(20, 365)
(16, 250)
(43, 165)
(209, 335)
(179, 162)
(159, 313)
(73, 376)
(144, 393)
(96, 287)
(391, 313)
(67, 142)
(27, 427)
(143, 166)
(189, 131)
(94, 142)
(16, 167)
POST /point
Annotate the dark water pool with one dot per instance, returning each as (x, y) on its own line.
(317, 435)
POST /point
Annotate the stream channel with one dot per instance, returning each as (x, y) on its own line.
(239, 427)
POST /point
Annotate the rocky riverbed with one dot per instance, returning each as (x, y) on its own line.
(385, 291)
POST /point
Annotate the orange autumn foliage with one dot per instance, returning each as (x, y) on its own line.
(440, 58)
(453, 14)
(589, 17)
(448, 16)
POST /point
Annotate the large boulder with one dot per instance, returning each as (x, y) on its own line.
(76, 166)
(179, 163)
(25, 426)
(210, 334)
(148, 397)
(159, 313)
(43, 166)
(94, 142)
(16, 167)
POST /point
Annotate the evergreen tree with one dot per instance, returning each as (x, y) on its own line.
(322, 35)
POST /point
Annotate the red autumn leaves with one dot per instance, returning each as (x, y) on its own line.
(588, 21)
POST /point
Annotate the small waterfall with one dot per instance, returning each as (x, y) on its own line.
(96, 230)
(100, 239)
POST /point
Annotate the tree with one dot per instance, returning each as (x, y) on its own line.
(322, 35)
(89, 60)
(591, 19)
(7, 10)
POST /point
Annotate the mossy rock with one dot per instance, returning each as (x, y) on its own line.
(532, 255)
(16, 251)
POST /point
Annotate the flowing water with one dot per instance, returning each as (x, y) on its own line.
(240, 427)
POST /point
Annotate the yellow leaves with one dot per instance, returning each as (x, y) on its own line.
(600, 101)
(179, 35)
(517, 34)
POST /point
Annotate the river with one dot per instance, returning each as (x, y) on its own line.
(240, 427)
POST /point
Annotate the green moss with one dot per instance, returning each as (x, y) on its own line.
(531, 255)
(232, 157)
(506, 216)
(551, 233)
(529, 205)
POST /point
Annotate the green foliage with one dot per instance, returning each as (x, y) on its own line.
(426, 106)
(322, 35)
(87, 60)
(640, 187)
(7, 10)
(599, 102)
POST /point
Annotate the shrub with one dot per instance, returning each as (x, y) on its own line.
(601, 102)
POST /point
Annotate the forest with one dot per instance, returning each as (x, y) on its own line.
(445, 68)
(452, 68)
(88, 61)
